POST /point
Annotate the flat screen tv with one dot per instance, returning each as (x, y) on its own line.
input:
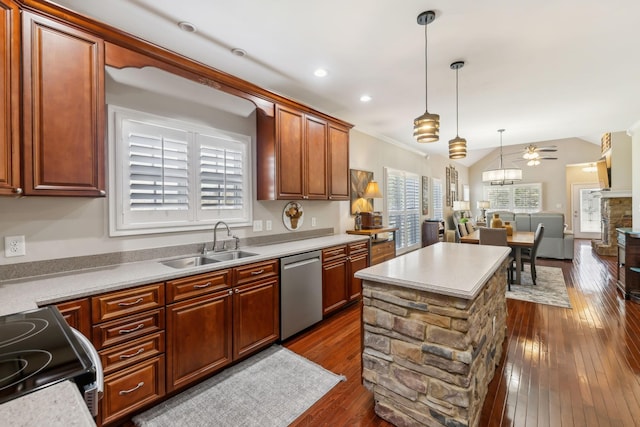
(604, 177)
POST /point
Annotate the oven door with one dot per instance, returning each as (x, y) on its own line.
(93, 391)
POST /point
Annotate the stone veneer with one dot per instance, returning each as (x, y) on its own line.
(615, 213)
(428, 358)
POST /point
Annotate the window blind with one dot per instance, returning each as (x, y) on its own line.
(403, 207)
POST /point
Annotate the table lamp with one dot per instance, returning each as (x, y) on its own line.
(483, 205)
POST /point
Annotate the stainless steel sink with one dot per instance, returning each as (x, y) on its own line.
(192, 261)
(230, 255)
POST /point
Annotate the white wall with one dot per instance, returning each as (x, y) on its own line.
(634, 132)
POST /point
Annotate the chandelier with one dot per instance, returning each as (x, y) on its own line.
(502, 176)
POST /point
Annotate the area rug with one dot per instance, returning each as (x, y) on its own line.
(272, 388)
(550, 288)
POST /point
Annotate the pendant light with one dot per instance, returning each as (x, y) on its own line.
(426, 128)
(457, 146)
(502, 176)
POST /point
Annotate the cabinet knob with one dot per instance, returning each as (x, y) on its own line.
(103, 193)
(17, 190)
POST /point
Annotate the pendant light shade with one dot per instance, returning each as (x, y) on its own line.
(457, 146)
(426, 128)
(502, 176)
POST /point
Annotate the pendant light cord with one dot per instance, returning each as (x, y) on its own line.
(457, 103)
(426, 69)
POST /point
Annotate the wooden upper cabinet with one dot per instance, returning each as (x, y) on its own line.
(290, 153)
(338, 163)
(294, 157)
(316, 158)
(9, 92)
(63, 109)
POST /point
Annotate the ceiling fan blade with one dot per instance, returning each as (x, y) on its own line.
(547, 158)
(547, 149)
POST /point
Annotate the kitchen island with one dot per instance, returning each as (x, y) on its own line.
(433, 325)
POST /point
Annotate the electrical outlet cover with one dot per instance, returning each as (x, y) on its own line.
(14, 246)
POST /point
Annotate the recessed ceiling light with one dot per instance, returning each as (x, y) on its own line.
(187, 26)
(365, 98)
(238, 52)
(320, 72)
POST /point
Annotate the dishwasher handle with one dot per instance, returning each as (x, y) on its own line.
(301, 263)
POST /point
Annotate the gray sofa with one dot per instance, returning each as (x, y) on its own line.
(557, 241)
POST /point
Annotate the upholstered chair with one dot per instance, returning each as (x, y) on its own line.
(497, 237)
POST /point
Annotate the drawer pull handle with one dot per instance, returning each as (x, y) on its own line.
(127, 304)
(128, 331)
(206, 285)
(255, 273)
(123, 392)
(129, 356)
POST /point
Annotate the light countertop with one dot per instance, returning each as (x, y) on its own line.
(452, 269)
(61, 404)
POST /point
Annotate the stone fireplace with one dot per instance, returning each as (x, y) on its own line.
(615, 209)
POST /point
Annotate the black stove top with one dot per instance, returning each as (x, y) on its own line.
(38, 349)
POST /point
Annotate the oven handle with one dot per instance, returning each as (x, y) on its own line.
(95, 359)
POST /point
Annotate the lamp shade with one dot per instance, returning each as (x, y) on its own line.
(502, 176)
(461, 205)
(483, 204)
(372, 191)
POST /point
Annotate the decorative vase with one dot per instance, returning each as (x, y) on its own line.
(509, 228)
(496, 222)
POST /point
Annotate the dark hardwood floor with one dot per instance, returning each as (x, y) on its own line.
(560, 367)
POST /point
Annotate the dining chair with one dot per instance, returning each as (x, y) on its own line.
(497, 237)
(531, 256)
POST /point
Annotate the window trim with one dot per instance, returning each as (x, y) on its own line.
(417, 202)
(118, 187)
(537, 185)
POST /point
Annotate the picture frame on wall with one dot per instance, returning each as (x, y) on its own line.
(447, 191)
(358, 184)
(426, 188)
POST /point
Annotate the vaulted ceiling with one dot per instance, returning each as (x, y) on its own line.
(541, 70)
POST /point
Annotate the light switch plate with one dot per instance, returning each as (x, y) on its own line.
(14, 246)
(268, 225)
(257, 225)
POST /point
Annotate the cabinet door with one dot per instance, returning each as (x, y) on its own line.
(338, 163)
(63, 109)
(356, 262)
(290, 153)
(316, 158)
(77, 313)
(9, 91)
(334, 285)
(255, 317)
(198, 338)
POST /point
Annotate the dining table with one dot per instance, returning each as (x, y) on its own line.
(517, 241)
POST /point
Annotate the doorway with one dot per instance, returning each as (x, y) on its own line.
(585, 205)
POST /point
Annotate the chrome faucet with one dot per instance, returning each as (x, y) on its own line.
(215, 237)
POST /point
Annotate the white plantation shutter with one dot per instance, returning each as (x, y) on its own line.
(437, 198)
(158, 169)
(171, 175)
(519, 198)
(403, 207)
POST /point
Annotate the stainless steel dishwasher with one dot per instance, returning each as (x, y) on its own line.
(300, 292)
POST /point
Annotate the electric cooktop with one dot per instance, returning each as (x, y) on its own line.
(38, 349)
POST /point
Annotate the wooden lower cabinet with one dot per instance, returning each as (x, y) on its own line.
(357, 262)
(256, 316)
(77, 313)
(334, 283)
(199, 336)
(132, 388)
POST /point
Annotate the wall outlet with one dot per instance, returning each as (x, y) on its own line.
(314, 221)
(14, 246)
(268, 225)
(257, 225)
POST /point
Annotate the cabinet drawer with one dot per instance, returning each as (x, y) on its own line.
(128, 328)
(124, 355)
(117, 304)
(335, 252)
(382, 252)
(358, 247)
(256, 271)
(132, 388)
(193, 286)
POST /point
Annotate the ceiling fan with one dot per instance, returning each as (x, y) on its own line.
(532, 154)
